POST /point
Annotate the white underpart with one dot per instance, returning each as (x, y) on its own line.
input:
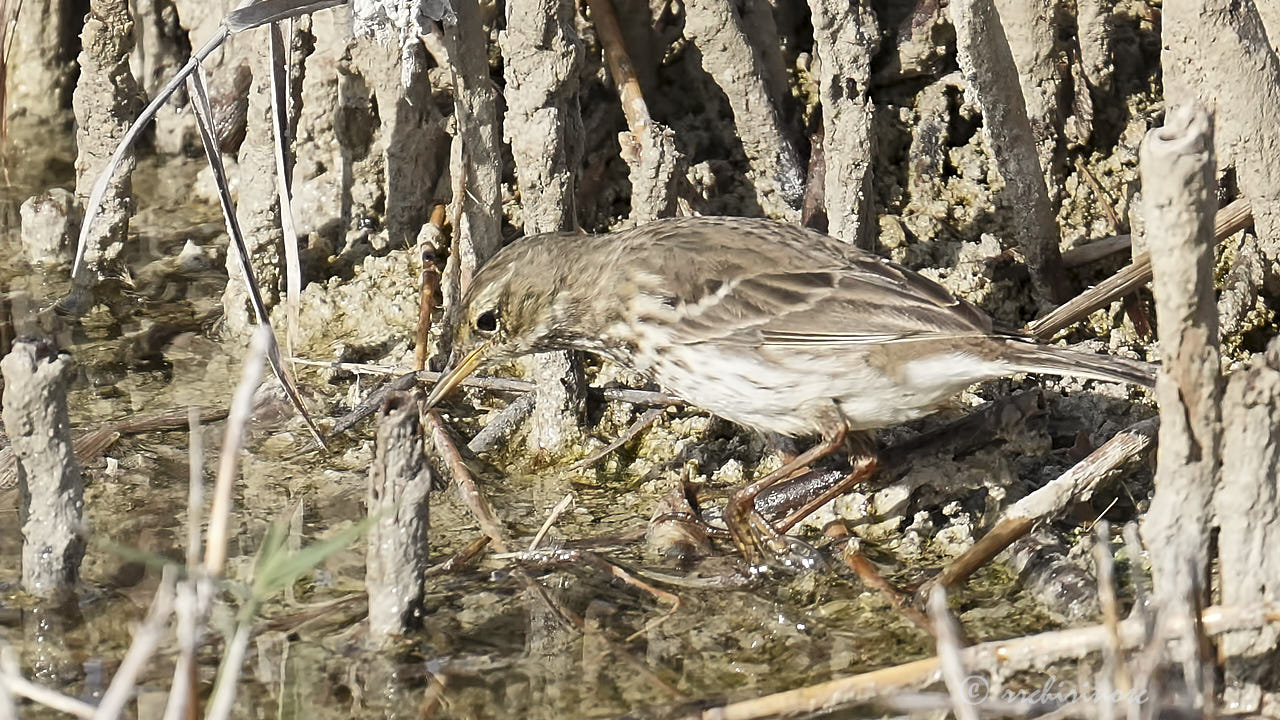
(950, 370)
(793, 389)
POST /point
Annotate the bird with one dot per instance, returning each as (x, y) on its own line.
(767, 324)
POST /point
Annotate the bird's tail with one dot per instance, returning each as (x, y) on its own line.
(1027, 356)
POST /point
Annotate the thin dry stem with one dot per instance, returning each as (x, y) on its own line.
(949, 658)
(1051, 499)
(1228, 221)
(195, 486)
(649, 417)
(215, 557)
(1005, 656)
(565, 503)
(145, 641)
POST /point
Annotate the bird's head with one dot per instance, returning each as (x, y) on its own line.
(518, 304)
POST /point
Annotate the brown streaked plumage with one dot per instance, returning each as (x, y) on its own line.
(767, 324)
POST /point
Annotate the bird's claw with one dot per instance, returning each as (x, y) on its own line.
(764, 547)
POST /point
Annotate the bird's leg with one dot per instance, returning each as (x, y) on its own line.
(863, 463)
(752, 535)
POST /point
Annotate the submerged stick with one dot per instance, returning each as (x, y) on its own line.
(399, 502)
(91, 443)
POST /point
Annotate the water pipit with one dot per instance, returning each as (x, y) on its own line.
(766, 324)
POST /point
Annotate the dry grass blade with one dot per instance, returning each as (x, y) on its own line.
(1088, 252)
(145, 641)
(272, 11)
(204, 121)
(284, 179)
(9, 10)
(215, 556)
(1114, 673)
(460, 559)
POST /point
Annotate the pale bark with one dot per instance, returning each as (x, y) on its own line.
(717, 29)
(49, 481)
(845, 39)
(1179, 195)
(1217, 52)
(1247, 505)
(475, 161)
(398, 502)
(105, 102)
(988, 65)
(542, 60)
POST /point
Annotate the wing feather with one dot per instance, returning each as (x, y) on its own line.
(789, 286)
(864, 302)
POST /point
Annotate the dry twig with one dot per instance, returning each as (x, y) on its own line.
(1004, 656)
(657, 168)
(1047, 501)
(1229, 220)
(648, 418)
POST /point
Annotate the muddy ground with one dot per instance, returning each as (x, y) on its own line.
(160, 336)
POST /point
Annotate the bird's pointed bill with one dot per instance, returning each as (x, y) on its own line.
(454, 377)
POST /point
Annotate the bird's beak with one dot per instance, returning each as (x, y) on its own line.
(454, 377)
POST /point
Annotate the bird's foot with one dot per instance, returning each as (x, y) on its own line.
(763, 546)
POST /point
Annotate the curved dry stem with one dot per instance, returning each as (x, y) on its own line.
(204, 121)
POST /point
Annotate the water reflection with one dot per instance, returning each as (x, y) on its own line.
(490, 648)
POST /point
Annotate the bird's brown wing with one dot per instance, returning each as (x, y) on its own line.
(863, 300)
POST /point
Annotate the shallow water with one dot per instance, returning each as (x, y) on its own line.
(487, 648)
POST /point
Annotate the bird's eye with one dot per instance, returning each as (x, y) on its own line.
(487, 321)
